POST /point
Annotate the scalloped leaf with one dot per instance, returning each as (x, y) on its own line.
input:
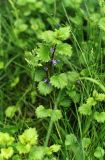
(72, 76)
(56, 115)
(63, 33)
(39, 75)
(44, 88)
(64, 49)
(85, 109)
(10, 111)
(48, 36)
(43, 53)
(70, 140)
(59, 81)
(86, 142)
(30, 58)
(41, 112)
(99, 117)
(99, 152)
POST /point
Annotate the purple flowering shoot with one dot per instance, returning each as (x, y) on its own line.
(46, 80)
(52, 50)
(46, 68)
(54, 61)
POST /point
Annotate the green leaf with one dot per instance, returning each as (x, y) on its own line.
(48, 36)
(39, 75)
(99, 152)
(56, 115)
(6, 139)
(16, 157)
(15, 81)
(85, 109)
(54, 148)
(22, 149)
(74, 95)
(1, 65)
(64, 49)
(102, 23)
(86, 142)
(59, 81)
(91, 101)
(29, 136)
(43, 53)
(70, 140)
(99, 117)
(44, 88)
(63, 33)
(10, 111)
(37, 153)
(41, 112)
(31, 59)
(98, 96)
(72, 76)
(7, 152)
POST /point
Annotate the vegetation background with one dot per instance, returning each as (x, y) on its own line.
(52, 79)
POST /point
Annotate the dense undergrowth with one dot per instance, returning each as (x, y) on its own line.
(52, 79)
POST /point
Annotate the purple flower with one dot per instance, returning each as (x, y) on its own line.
(54, 61)
(52, 50)
(46, 80)
(46, 68)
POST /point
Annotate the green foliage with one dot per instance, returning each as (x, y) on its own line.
(44, 88)
(55, 114)
(41, 112)
(64, 49)
(70, 140)
(10, 111)
(85, 109)
(29, 137)
(43, 53)
(99, 152)
(59, 81)
(52, 54)
(99, 117)
(7, 153)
